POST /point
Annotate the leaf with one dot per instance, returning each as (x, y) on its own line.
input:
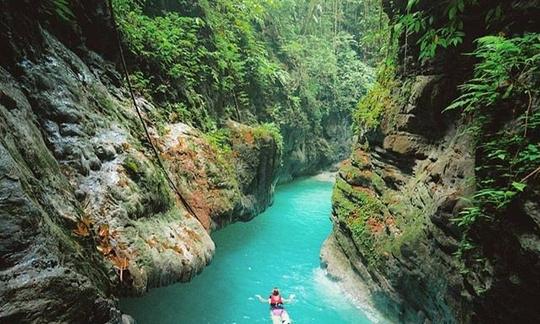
(103, 230)
(411, 4)
(178, 249)
(519, 186)
(63, 10)
(82, 230)
(104, 248)
(120, 263)
(87, 221)
(508, 91)
(461, 5)
(452, 13)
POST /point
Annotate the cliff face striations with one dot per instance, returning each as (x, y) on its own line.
(399, 200)
(86, 213)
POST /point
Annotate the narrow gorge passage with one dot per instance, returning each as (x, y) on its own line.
(141, 142)
(278, 248)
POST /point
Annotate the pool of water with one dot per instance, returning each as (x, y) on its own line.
(278, 248)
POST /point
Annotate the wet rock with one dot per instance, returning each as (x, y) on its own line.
(395, 206)
(305, 154)
(8, 102)
(59, 169)
(126, 319)
(105, 152)
(95, 164)
(71, 130)
(80, 195)
(82, 166)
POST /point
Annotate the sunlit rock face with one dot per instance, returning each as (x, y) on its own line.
(86, 212)
(397, 197)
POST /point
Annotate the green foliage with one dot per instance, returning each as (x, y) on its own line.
(505, 68)
(377, 102)
(140, 83)
(291, 63)
(170, 42)
(321, 50)
(220, 139)
(499, 98)
(59, 8)
(186, 59)
(269, 130)
(439, 26)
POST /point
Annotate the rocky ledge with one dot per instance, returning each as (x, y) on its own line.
(86, 213)
(396, 201)
(393, 209)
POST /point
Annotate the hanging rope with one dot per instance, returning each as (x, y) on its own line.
(137, 109)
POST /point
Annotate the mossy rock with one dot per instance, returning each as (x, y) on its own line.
(361, 159)
(132, 167)
(355, 176)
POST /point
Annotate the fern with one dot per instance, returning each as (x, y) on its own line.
(438, 27)
(504, 68)
(59, 8)
(499, 99)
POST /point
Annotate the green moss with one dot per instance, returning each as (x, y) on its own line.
(220, 140)
(220, 166)
(409, 219)
(360, 158)
(356, 176)
(355, 207)
(343, 207)
(155, 190)
(132, 167)
(158, 198)
(269, 130)
(364, 199)
(411, 232)
(363, 237)
(377, 101)
(378, 182)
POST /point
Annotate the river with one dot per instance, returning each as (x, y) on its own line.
(278, 248)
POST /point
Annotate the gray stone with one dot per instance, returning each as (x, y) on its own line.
(105, 152)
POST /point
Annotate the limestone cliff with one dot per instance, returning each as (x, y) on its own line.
(396, 199)
(304, 154)
(86, 214)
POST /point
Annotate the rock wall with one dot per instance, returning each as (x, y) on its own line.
(395, 199)
(86, 214)
(306, 154)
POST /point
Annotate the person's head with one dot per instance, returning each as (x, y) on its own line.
(275, 291)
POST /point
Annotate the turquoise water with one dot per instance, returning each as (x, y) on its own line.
(278, 248)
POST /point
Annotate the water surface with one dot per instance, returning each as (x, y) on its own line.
(278, 248)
